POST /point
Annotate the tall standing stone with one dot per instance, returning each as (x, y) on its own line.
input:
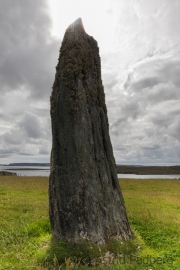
(85, 199)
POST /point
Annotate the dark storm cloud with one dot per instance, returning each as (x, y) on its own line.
(8, 151)
(31, 126)
(29, 129)
(28, 55)
(14, 137)
(27, 50)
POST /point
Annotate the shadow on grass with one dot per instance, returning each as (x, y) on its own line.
(86, 255)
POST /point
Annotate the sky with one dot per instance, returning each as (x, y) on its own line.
(139, 46)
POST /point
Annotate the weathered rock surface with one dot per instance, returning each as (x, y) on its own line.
(84, 193)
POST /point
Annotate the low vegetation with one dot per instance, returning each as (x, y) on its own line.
(153, 208)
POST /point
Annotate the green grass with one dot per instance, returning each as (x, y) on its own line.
(153, 208)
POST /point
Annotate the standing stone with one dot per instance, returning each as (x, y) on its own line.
(84, 194)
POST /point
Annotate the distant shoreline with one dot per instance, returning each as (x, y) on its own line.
(121, 169)
(26, 164)
(150, 170)
(26, 169)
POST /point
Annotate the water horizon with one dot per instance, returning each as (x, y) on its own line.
(45, 171)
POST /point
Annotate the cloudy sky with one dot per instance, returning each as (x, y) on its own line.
(140, 53)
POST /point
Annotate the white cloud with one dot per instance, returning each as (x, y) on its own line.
(149, 123)
(140, 51)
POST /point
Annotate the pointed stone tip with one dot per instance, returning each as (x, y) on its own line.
(78, 22)
(77, 25)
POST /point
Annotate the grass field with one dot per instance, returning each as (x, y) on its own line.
(153, 208)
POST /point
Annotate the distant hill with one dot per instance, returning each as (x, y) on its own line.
(29, 164)
(130, 169)
(124, 169)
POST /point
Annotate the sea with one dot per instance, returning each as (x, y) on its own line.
(149, 176)
(45, 170)
(27, 170)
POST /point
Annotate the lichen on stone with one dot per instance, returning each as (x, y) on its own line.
(85, 198)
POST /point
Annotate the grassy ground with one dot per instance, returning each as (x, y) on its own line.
(153, 208)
